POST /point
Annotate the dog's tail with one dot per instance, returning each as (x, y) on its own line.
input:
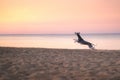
(93, 46)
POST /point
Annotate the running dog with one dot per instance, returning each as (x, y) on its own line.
(82, 41)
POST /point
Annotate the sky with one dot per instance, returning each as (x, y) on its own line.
(59, 16)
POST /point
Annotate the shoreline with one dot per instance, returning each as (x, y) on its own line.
(19, 63)
(58, 48)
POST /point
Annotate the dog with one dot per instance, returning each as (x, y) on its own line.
(82, 41)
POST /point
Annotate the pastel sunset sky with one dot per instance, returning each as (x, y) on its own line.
(59, 16)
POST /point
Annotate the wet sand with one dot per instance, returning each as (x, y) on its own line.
(59, 64)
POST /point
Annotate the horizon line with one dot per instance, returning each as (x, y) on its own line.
(57, 33)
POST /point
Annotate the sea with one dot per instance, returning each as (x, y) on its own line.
(103, 41)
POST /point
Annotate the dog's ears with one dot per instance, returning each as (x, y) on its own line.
(77, 32)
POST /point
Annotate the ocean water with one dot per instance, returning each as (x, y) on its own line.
(61, 41)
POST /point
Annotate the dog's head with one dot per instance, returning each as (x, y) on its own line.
(77, 33)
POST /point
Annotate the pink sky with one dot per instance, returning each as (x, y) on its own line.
(59, 16)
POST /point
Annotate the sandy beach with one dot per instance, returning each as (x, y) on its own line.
(59, 64)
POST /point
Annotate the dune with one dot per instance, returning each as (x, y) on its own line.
(58, 64)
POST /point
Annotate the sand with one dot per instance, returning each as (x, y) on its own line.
(59, 64)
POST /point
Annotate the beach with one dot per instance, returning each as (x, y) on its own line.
(58, 64)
